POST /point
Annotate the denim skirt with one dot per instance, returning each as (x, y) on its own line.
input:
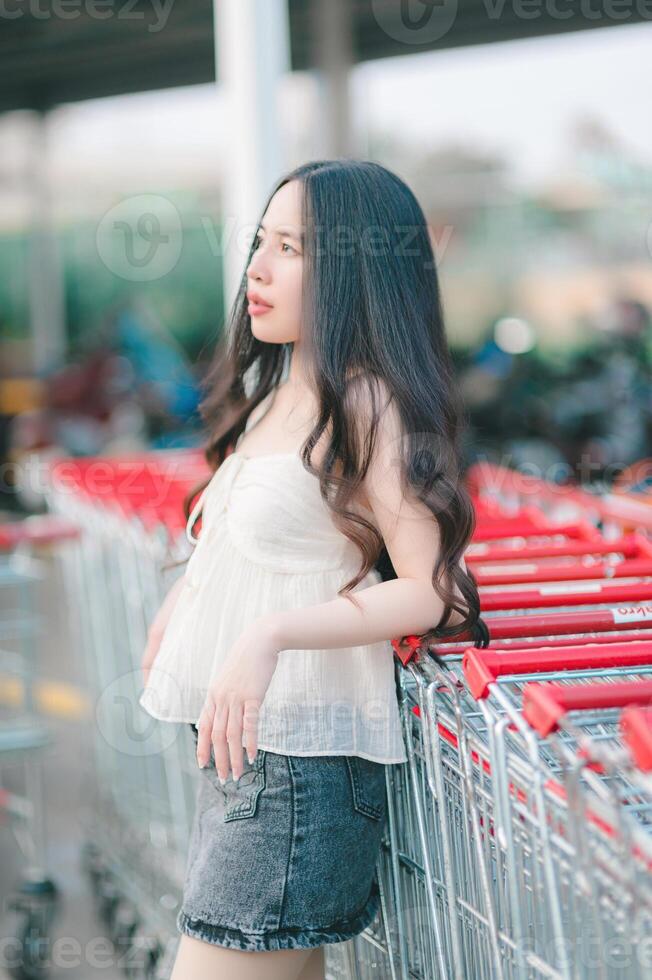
(286, 858)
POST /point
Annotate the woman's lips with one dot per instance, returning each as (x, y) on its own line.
(257, 309)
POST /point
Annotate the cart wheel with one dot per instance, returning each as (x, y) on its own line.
(93, 865)
(154, 957)
(91, 861)
(30, 960)
(31, 911)
(143, 957)
(124, 924)
(108, 897)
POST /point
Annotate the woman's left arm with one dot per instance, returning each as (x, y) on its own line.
(407, 604)
(389, 609)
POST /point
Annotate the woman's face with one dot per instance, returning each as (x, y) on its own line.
(276, 269)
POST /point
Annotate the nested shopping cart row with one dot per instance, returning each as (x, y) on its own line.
(513, 848)
(30, 909)
(530, 762)
(498, 858)
(128, 510)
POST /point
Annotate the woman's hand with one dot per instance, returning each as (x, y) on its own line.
(158, 625)
(234, 698)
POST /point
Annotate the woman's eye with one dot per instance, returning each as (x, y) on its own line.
(258, 241)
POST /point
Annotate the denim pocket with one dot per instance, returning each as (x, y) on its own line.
(368, 787)
(241, 797)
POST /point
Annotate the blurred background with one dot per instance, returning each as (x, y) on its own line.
(527, 142)
(138, 141)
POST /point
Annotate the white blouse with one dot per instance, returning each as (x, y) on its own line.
(268, 544)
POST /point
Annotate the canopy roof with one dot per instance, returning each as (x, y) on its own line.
(91, 48)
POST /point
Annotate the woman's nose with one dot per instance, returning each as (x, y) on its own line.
(258, 267)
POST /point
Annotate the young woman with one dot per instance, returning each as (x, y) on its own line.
(334, 521)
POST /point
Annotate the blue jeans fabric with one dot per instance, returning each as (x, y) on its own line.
(285, 858)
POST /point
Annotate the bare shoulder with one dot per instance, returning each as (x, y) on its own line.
(369, 397)
(366, 392)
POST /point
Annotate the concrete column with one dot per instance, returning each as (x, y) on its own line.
(332, 55)
(252, 50)
(46, 297)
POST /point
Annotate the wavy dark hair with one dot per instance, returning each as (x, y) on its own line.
(372, 308)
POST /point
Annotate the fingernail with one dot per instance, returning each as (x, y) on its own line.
(251, 759)
(222, 780)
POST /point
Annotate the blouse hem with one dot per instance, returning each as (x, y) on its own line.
(281, 751)
(363, 755)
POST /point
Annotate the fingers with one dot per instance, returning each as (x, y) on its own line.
(250, 728)
(234, 737)
(218, 738)
(204, 730)
(221, 725)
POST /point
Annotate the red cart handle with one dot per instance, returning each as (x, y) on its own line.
(483, 667)
(636, 728)
(544, 705)
(37, 529)
(406, 647)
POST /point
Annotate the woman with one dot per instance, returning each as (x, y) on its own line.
(277, 640)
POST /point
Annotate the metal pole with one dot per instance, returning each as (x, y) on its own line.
(252, 52)
(332, 47)
(45, 277)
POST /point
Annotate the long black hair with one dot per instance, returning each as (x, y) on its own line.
(371, 309)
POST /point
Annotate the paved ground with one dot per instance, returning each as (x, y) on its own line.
(79, 949)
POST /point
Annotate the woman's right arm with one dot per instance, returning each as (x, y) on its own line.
(158, 625)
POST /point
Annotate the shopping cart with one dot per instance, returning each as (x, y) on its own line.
(30, 908)
(140, 805)
(481, 874)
